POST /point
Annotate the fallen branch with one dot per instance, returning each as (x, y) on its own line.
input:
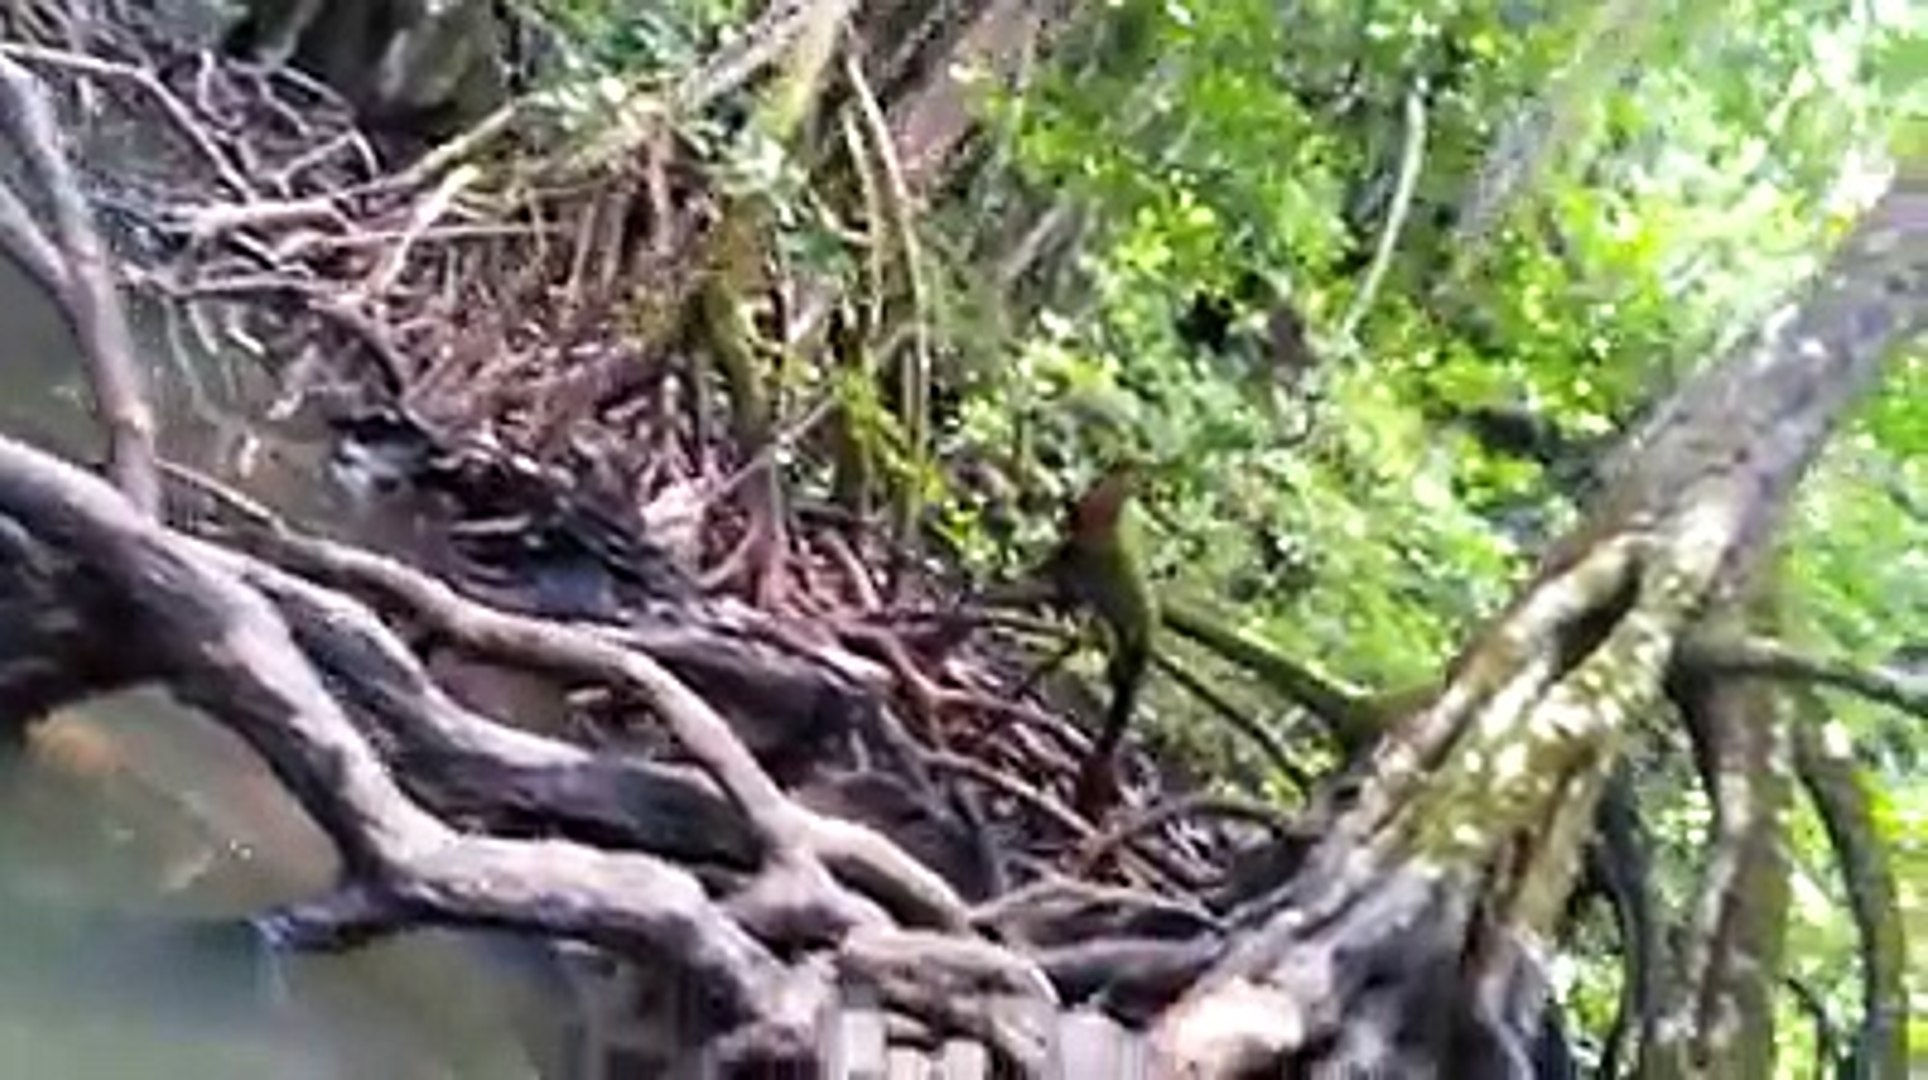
(1345, 710)
(788, 831)
(470, 766)
(211, 631)
(86, 285)
(221, 647)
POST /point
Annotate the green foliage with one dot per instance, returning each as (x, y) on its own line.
(1686, 165)
(613, 36)
(1657, 173)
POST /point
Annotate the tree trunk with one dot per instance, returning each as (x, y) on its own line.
(1410, 937)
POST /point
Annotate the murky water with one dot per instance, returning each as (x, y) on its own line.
(137, 831)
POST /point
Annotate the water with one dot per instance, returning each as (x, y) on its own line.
(136, 833)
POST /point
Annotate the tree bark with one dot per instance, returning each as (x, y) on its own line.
(1439, 883)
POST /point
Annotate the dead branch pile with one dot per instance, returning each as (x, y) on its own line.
(785, 801)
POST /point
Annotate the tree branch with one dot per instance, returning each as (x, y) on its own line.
(1767, 659)
(221, 647)
(465, 764)
(85, 286)
(1834, 780)
(1411, 157)
(787, 830)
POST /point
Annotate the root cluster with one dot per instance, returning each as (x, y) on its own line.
(787, 785)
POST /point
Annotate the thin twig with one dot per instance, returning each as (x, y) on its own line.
(734, 65)
(426, 213)
(1257, 733)
(1410, 159)
(455, 151)
(176, 110)
(1098, 848)
(915, 375)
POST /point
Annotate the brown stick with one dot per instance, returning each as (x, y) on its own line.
(88, 298)
(1097, 848)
